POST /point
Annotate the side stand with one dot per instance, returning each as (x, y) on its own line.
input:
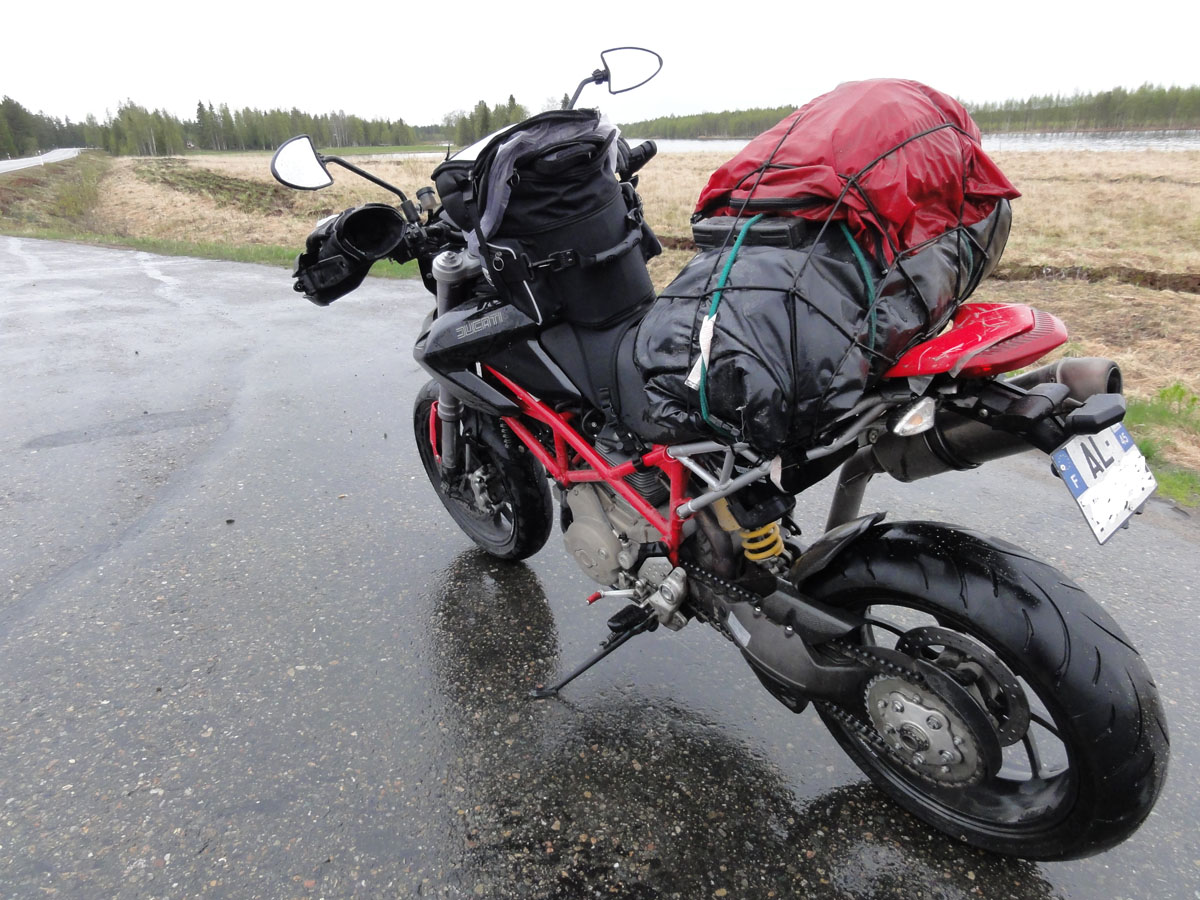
(624, 627)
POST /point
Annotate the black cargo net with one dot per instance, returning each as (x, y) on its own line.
(864, 340)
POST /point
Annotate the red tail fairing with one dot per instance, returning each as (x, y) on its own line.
(985, 339)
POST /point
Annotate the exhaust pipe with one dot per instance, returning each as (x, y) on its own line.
(957, 443)
(1084, 375)
(954, 444)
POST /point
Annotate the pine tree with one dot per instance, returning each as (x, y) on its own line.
(8, 147)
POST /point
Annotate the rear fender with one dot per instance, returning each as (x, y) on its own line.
(828, 546)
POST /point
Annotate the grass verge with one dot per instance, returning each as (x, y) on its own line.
(60, 202)
(264, 254)
(1157, 424)
(62, 195)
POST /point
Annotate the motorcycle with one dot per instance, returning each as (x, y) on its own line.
(978, 687)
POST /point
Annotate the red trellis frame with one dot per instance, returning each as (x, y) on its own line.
(567, 439)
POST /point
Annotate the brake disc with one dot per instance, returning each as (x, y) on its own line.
(979, 671)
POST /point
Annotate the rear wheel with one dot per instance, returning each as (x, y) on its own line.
(499, 498)
(1006, 708)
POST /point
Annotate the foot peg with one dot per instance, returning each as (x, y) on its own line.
(629, 617)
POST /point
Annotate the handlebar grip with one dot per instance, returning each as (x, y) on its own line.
(638, 157)
(645, 152)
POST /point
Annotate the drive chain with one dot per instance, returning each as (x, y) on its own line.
(722, 586)
(727, 588)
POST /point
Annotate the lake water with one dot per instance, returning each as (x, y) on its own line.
(1102, 141)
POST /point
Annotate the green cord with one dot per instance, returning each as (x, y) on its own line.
(712, 312)
(866, 274)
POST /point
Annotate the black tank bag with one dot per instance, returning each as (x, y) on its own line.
(569, 243)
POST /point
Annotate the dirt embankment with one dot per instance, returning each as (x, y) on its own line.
(1188, 282)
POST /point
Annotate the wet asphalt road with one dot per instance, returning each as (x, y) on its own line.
(244, 653)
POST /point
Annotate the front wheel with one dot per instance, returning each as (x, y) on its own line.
(1006, 707)
(499, 497)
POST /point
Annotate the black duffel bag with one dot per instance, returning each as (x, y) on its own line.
(541, 206)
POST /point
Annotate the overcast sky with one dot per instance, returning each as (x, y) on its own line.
(418, 61)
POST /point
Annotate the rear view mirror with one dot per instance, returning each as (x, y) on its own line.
(297, 164)
(629, 67)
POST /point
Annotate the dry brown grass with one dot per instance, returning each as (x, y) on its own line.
(1153, 335)
(1138, 209)
(669, 187)
(132, 206)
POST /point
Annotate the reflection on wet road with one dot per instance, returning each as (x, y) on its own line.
(636, 798)
(244, 653)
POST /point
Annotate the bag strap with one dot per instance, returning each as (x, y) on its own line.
(528, 269)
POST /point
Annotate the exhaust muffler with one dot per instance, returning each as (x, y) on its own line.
(1083, 375)
(957, 443)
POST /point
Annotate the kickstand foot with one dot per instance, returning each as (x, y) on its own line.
(630, 627)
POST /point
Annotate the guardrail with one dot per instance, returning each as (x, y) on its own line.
(12, 165)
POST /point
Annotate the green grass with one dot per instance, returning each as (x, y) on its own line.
(1171, 414)
(1174, 406)
(1178, 484)
(265, 254)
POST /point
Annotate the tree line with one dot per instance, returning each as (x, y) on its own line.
(1148, 107)
(734, 123)
(135, 130)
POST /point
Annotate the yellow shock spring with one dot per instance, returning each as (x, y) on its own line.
(762, 543)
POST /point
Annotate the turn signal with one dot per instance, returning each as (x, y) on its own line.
(915, 418)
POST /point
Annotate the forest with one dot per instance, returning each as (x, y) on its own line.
(1148, 108)
(137, 131)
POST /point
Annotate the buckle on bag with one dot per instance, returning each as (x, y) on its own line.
(556, 262)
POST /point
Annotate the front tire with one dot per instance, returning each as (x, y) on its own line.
(1073, 746)
(500, 499)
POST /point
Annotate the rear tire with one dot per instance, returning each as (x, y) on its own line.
(508, 512)
(1094, 706)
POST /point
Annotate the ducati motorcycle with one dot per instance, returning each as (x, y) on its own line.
(977, 686)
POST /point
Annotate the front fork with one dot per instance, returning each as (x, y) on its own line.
(448, 415)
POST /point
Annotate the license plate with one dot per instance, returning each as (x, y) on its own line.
(1108, 477)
